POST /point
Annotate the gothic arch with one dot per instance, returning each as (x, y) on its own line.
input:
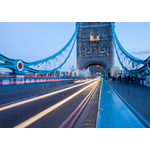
(95, 62)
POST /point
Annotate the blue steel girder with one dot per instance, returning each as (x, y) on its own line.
(47, 65)
(129, 63)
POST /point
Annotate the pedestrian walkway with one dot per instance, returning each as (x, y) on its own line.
(137, 97)
(113, 113)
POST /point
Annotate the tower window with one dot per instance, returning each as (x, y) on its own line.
(83, 49)
(94, 35)
(104, 34)
(102, 49)
(95, 49)
(87, 50)
(85, 35)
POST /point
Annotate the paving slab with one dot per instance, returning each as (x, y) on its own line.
(113, 113)
(137, 97)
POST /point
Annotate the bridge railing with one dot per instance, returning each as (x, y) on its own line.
(130, 63)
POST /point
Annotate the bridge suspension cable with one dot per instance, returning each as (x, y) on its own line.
(47, 65)
(128, 62)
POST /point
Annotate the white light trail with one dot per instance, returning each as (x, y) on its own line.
(48, 110)
(40, 97)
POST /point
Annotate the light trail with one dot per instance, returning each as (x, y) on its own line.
(78, 109)
(18, 101)
(48, 110)
(40, 97)
(34, 81)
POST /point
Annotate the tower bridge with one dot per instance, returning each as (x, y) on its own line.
(96, 42)
(92, 102)
(95, 49)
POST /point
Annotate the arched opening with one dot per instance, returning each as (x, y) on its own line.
(97, 68)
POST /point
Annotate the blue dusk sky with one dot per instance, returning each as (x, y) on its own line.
(32, 41)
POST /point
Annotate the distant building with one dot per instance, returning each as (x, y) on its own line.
(4, 72)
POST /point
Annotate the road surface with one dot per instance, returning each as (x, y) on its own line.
(48, 106)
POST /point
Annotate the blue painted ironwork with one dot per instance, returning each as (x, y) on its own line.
(128, 62)
(47, 65)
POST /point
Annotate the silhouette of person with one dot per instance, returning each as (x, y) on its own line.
(120, 78)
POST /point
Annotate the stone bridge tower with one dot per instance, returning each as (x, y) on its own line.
(95, 48)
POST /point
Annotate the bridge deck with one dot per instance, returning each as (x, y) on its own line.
(113, 113)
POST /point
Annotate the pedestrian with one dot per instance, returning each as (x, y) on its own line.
(112, 78)
(125, 78)
(128, 78)
(135, 79)
(120, 79)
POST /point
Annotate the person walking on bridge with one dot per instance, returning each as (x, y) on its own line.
(125, 78)
(120, 79)
(128, 78)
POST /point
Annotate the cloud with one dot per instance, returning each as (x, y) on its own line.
(140, 52)
(133, 49)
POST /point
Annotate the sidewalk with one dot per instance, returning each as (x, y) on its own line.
(137, 97)
(112, 112)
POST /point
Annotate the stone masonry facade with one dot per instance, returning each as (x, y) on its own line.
(95, 47)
